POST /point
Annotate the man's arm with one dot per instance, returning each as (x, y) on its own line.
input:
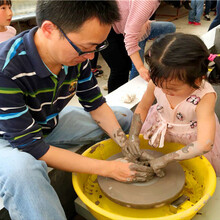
(106, 119)
(72, 162)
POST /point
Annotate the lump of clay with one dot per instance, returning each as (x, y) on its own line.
(128, 97)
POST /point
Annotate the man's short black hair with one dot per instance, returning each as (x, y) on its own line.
(70, 15)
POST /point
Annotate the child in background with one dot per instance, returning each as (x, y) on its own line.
(6, 31)
(184, 112)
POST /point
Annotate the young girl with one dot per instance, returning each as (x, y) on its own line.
(184, 112)
(6, 31)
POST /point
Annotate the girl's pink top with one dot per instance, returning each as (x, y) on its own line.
(9, 33)
(134, 23)
(179, 125)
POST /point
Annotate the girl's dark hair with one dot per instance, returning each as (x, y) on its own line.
(71, 15)
(180, 56)
(5, 2)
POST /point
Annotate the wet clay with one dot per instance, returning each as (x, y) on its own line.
(156, 192)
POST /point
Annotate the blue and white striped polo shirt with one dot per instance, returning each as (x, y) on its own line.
(31, 97)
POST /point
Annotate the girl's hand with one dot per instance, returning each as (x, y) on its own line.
(144, 73)
(157, 165)
(131, 149)
(129, 172)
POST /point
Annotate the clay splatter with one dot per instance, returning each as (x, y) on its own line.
(94, 148)
(97, 202)
(186, 149)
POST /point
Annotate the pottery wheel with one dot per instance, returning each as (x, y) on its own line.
(156, 192)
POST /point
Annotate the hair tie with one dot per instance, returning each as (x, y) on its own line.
(212, 57)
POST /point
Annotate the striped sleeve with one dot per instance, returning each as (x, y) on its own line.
(88, 91)
(16, 123)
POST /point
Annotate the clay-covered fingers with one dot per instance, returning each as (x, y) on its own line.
(140, 177)
(126, 153)
(159, 172)
(134, 147)
(142, 174)
(157, 165)
(131, 149)
(145, 156)
(121, 171)
(141, 168)
(143, 163)
(137, 179)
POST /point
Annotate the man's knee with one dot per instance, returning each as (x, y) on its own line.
(20, 167)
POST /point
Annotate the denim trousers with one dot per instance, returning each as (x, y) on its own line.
(216, 20)
(157, 28)
(207, 6)
(197, 10)
(24, 182)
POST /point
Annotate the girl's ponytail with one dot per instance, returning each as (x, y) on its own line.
(214, 76)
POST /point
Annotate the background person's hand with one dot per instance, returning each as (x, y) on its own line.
(144, 73)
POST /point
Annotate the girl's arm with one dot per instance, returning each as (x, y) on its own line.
(205, 112)
(132, 149)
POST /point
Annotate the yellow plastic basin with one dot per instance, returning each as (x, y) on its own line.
(199, 187)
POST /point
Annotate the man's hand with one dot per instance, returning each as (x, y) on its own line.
(124, 171)
(144, 73)
(131, 149)
(143, 173)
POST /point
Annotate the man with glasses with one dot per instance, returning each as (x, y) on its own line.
(40, 71)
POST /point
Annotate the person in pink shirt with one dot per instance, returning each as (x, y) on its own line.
(6, 31)
(128, 37)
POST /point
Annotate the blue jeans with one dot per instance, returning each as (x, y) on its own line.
(197, 10)
(24, 182)
(207, 6)
(157, 28)
(216, 20)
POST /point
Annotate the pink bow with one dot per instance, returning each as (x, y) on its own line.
(212, 57)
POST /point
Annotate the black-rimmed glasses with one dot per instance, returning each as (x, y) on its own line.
(99, 47)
